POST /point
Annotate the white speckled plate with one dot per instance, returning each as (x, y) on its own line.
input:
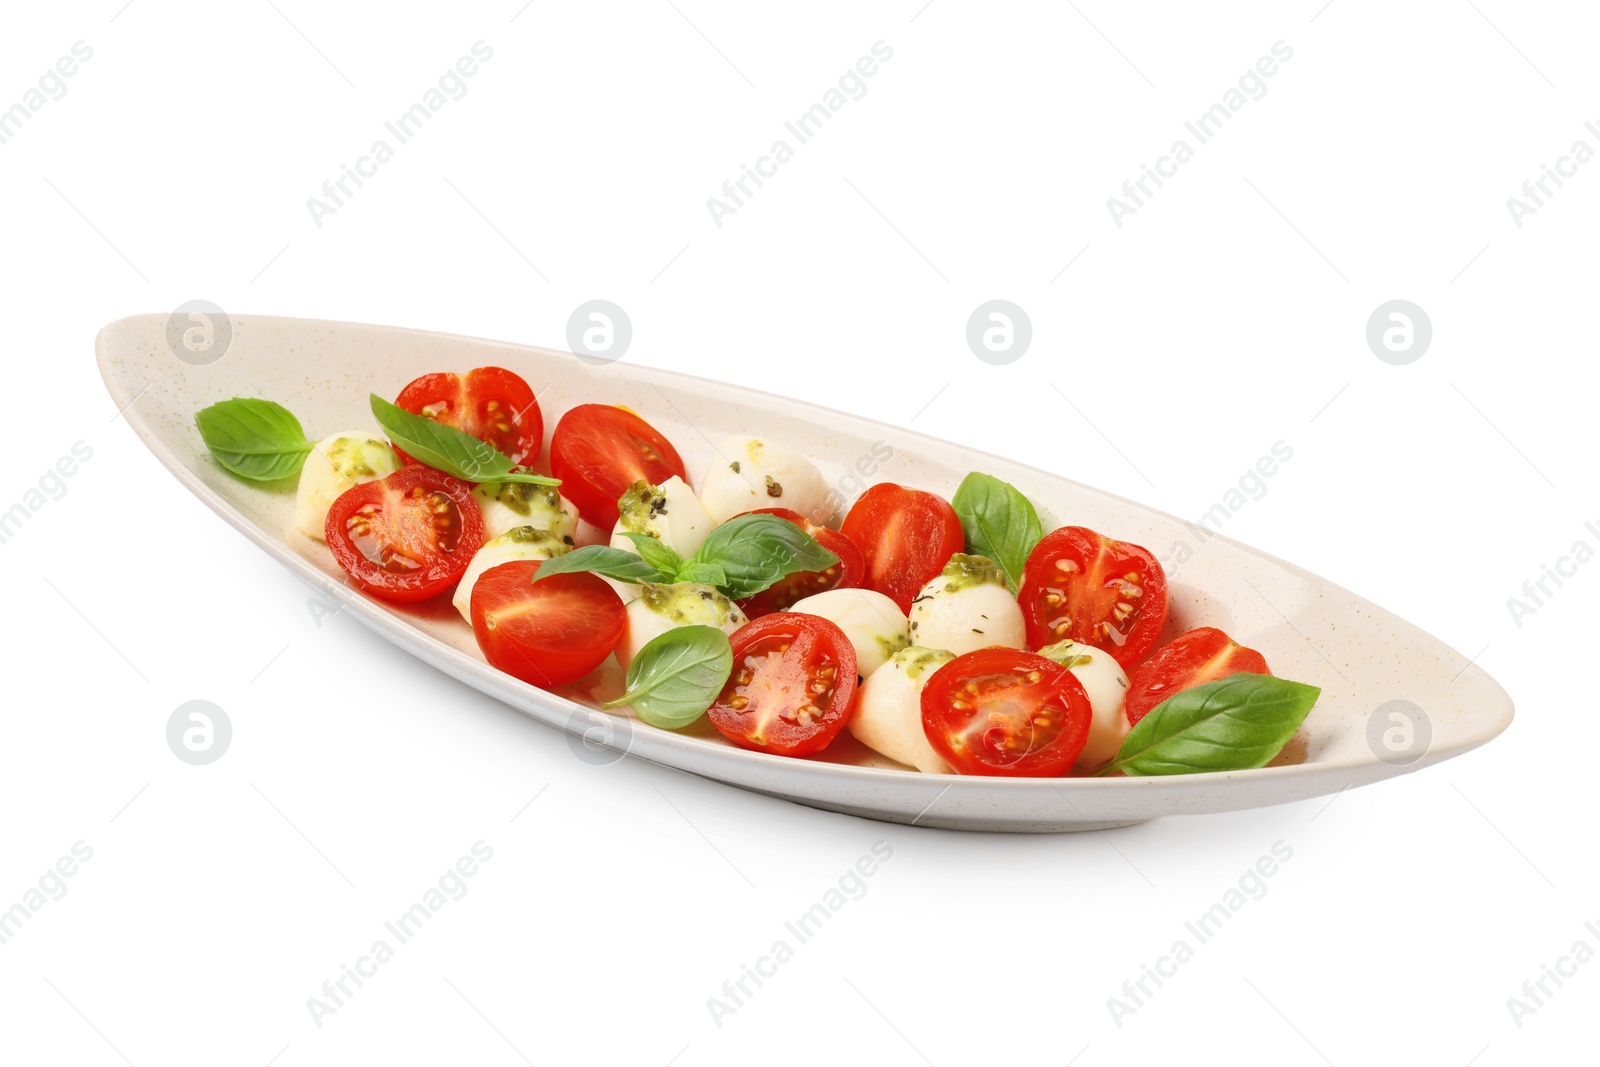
(1309, 629)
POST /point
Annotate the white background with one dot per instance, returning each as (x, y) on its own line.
(1227, 314)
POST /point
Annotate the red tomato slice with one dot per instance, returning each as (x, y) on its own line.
(546, 633)
(793, 685)
(1105, 593)
(490, 403)
(906, 536)
(1005, 712)
(408, 536)
(1199, 656)
(598, 451)
(846, 574)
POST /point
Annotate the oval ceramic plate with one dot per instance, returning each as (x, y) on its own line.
(1309, 629)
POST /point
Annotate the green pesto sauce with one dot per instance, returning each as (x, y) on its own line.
(688, 603)
(892, 645)
(359, 457)
(523, 497)
(1069, 654)
(542, 540)
(641, 503)
(915, 660)
(964, 572)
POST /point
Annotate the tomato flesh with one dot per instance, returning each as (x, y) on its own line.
(406, 537)
(490, 403)
(598, 451)
(782, 595)
(906, 537)
(793, 685)
(547, 633)
(1007, 713)
(1199, 656)
(1081, 586)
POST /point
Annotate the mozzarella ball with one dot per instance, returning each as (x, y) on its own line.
(874, 624)
(888, 716)
(967, 606)
(507, 505)
(669, 512)
(1107, 685)
(752, 472)
(336, 465)
(660, 608)
(519, 542)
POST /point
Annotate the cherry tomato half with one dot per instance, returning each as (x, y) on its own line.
(1005, 712)
(406, 537)
(490, 403)
(1199, 656)
(547, 633)
(1109, 594)
(846, 574)
(793, 685)
(906, 536)
(598, 451)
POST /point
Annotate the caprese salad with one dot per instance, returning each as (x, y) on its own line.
(948, 635)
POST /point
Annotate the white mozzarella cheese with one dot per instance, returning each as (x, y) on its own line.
(519, 542)
(888, 716)
(669, 512)
(874, 624)
(752, 472)
(966, 607)
(507, 505)
(336, 465)
(1107, 685)
(660, 608)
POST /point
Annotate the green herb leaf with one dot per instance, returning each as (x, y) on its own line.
(755, 551)
(998, 521)
(253, 438)
(447, 449)
(602, 559)
(677, 675)
(703, 573)
(1237, 723)
(656, 552)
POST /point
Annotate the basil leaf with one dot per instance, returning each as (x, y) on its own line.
(656, 552)
(998, 521)
(602, 559)
(253, 438)
(447, 449)
(755, 551)
(677, 675)
(703, 573)
(1237, 723)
